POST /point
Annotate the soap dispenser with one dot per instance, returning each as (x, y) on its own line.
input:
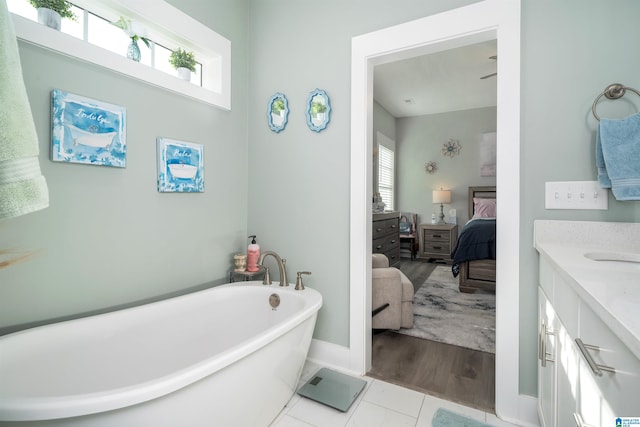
(253, 253)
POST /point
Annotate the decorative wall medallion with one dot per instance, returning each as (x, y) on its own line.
(431, 167)
(278, 112)
(451, 148)
(318, 110)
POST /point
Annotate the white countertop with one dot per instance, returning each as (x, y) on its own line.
(610, 288)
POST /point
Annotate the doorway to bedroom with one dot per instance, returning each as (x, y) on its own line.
(428, 104)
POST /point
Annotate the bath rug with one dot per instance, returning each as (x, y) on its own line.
(442, 313)
(444, 418)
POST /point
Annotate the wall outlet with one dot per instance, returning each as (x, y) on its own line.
(576, 195)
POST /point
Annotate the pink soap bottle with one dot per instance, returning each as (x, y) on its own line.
(253, 253)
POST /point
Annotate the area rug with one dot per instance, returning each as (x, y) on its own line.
(442, 313)
(444, 418)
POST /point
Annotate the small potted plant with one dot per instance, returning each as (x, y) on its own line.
(136, 32)
(184, 62)
(50, 12)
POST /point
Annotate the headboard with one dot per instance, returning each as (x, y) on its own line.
(486, 192)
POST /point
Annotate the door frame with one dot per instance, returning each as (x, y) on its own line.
(478, 22)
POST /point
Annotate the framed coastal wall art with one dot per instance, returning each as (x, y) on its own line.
(180, 166)
(488, 154)
(88, 131)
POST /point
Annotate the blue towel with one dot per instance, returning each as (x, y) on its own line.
(603, 177)
(618, 144)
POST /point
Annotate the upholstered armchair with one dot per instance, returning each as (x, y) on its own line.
(390, 286)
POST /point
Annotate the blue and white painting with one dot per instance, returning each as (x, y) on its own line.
(87, 131)
(180, 166)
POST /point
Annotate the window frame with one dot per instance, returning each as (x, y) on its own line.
(166, 26)
(391, 168)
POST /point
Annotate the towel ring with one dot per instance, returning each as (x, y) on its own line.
(613, 91)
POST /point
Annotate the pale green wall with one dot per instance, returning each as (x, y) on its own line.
(109, 237)
(299, 180)
(420, 140)
(570, 53)
(384, 123)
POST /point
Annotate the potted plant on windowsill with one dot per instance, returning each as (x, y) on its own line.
(184, 62)
(51, 12)
(136, 32)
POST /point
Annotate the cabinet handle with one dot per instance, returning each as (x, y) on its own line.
(542, 347)
(437, 247)
(379, 247)
(597, 369)
(393, 241)
(393, 226)
(579, 421)
(378, 229)
(437, 235)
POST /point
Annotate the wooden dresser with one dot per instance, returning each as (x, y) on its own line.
(437, 241)
(385, 238)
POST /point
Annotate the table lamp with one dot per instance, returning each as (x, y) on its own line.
(441, 196)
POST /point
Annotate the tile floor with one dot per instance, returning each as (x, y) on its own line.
(379, 404)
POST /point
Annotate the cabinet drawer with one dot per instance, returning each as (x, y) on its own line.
(385, 227)
(384, 244)
(617, 391)
(393, 255)
(442, 248)
(437, 236)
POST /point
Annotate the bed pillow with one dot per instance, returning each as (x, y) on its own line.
(484, 208)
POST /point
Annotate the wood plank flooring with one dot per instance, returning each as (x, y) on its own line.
(453, 373)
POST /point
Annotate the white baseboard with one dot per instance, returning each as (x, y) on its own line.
(330, 355)
(527, 412)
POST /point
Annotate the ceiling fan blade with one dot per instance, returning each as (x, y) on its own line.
(488, 75)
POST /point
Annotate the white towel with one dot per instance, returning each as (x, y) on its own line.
(23, 189)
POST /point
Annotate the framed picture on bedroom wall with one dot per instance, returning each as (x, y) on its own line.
(488, 154)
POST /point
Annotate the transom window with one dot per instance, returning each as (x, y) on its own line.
(93, 38)
(101, 32)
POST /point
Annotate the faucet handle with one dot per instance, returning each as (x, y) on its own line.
(266, 280)
(299, 285)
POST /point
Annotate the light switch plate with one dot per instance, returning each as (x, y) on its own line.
(576, 195)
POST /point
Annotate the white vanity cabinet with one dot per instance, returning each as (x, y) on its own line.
(586, 375)
(546, 357)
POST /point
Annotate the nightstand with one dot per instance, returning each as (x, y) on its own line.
(437, 241)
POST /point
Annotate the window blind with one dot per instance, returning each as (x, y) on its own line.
(386, 164)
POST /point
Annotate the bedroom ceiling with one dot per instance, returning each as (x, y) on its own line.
(438, 82)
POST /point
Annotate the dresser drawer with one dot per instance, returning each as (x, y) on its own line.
(442, 248)
(385, 227)
(384, 244)
(393, 255)
(437, 236)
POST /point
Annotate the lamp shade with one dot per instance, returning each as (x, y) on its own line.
(441, 196)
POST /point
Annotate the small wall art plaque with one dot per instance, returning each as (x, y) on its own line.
(180, 166)
(87, 131)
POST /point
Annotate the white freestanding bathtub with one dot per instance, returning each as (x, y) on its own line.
(218, 357)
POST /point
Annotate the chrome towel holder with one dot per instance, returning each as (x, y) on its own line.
(613, 91)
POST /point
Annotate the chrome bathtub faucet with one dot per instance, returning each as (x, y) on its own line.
(281, 266)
